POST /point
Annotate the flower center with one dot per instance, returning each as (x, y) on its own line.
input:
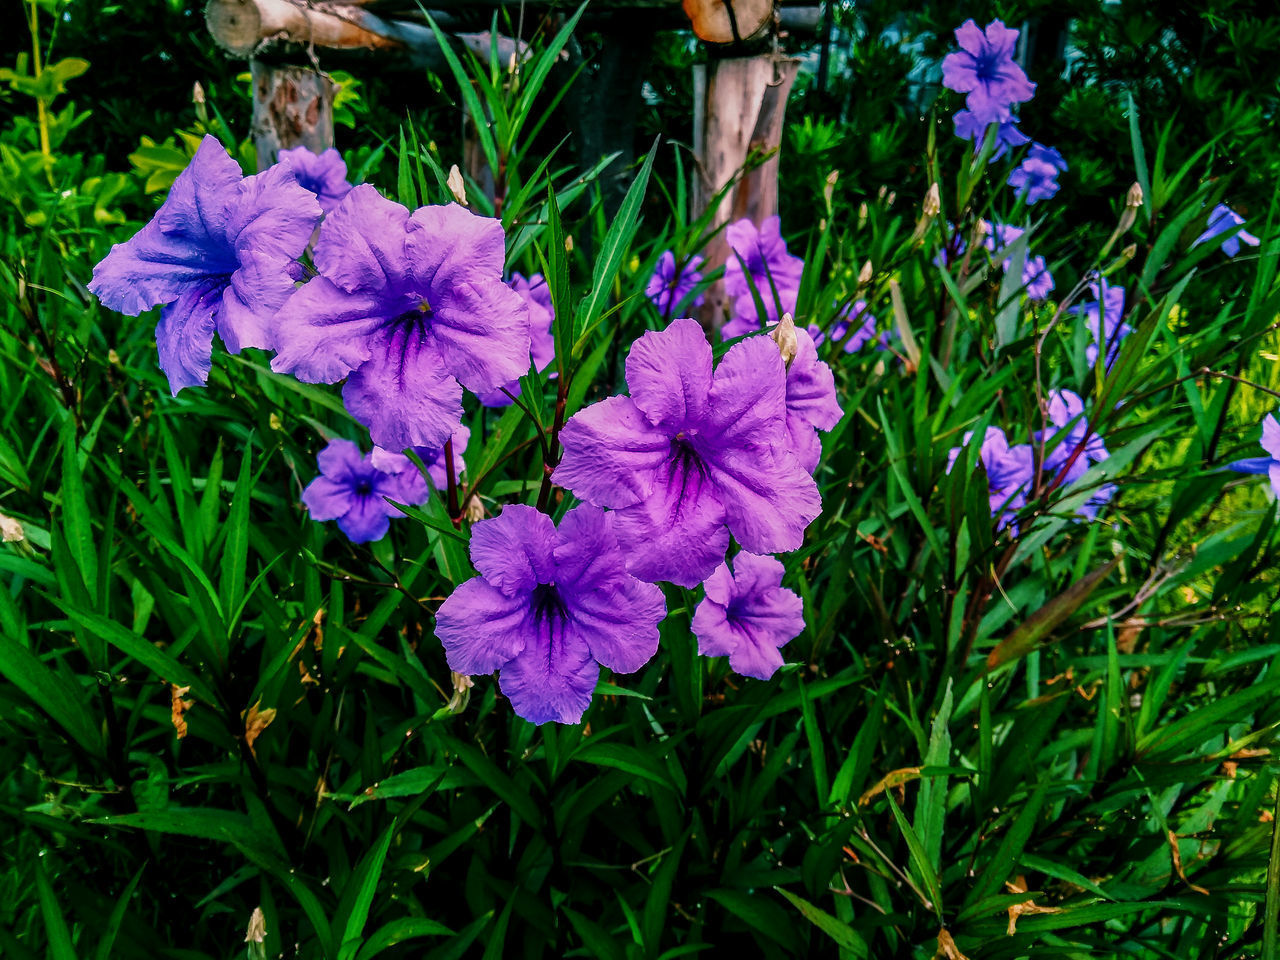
(988, 66)
(548, 606)
(364, 487)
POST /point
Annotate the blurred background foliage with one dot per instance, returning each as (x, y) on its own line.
(1054, 745)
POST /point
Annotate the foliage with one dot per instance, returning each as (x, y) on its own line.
(1048, 740)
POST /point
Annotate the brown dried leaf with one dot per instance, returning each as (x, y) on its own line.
(894, 778)
(255, 721)
(947, 949)
(178, 708)
(1026, 907)
(1177, 863)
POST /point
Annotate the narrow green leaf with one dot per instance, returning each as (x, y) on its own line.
(844, 935)
(924, 869)
(55, 923)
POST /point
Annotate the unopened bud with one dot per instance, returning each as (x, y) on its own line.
(197, 94)
(456, 185)
(932, 201)
(784, 335)
(512, 64)
(888, 201)
(865, 274)
(113, 358)
(474, 510)
(568, 243)
(1134, 197)
(829, 190)
(274, 422)
(862, 214)
(11, 530)
(1129, 252)
(257, 931)
(462, 685)
(883, 190)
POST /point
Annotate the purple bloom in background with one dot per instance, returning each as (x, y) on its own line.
(668, 290)
(351, 489)
(218, 254)
(1270, 464)
(1008, 136)
(549, 607)
(747, 615)
(537, 295)
(768, 266)
(852, 313)
(812, 404)
(324, 174)
(692, 456)
(1223, 220)
(1036, 278)
(984, 69)
(1104, 318)
(406, 307)
(389, 461)
(1037, 177)
(1066, 415)
(1010, 472)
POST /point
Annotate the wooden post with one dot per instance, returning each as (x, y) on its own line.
(739, 110)
(292, 106)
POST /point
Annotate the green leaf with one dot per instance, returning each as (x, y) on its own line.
(55, 924)
(920, 859)
(991, 879)
(515, 797)
(398, 931)
(357, 896)
(235, 549)
(49, 692)
(620, 756)
(844, 935)
(107, 941)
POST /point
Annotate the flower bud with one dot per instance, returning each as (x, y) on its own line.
(11, 530)
(932, 201)
(893, 195)
(1134, 197)
(462, 685)
(474, 510)
(862, 214)
(784, 335)
(257, 931)
(197, 94)
(829, 190)
(456, 185)
(865, 274)
(568, 243)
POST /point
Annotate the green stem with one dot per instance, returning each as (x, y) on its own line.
(1272, 909)
(42, 115)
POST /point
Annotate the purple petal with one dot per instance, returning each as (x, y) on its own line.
(611, 453)
(552, 679)
(184, 336)
(669, 373)
(250, 302)
(481, 628)
(323, 332)
(811, 387)
(272, 215)
(403, 396)
(361, 246)
(326, 499)
(748, 616)
(748, 395)
(769, 498)
(1271, 436)
(366, 520)
(340, 459)
(515, 551)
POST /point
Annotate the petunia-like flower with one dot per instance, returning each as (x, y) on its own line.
(1224, 220)
(1104, 318)
(669, 287)
(769, 268)
(548, 609)
(352, 490)
(537, 295)
(1077, 447)
(406, 306)
(812, 404)
(1270, 464)
(324, 174)
(854, 313)
(218, 255)
(1036, 278)
(692, 456)
(433, 458)
(1037, 177)
(1010, 472)
(1008, 136)
(984, 69)
(747, 615)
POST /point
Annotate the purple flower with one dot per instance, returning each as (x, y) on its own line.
(691, 456)
(218, 254)
(1037, 177)
(668, 288)
(865, 333)
(389, 461)
(406, 307)
(1077, 448)
(1008, 136)
(984, 69)
(324, 174)
(1270, 464)
(1010, 472)
(1224, 220)
(537, 295)
(747, 615)
(548, 608)
(812, 404)
(352, 490)
(1104, 318)
(768, 267)
(1035, 271)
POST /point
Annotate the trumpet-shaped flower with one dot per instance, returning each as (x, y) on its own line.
(1036, 279)
(549, 607)
(692, 456)
(406, 306)
(669, 287)
(1224, 220)
(984, 69)
(433, 458)
(537, 296)
(352, 489)
(1270, 464)
(855, 313)
(324, 174)
(1008, 136)
(748, 615)
(812, 404)
(1104, 318)
(218, 256)
(1037, 176)
(758, 258)
(1010, 472)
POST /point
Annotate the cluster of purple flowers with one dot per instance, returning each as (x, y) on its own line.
(672, 283)
(1069, 449)
(1224, 220)
(1036, 278)
(993, 83)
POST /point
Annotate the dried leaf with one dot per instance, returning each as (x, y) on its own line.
(255, 721)
(894, 778)
(10, 529)
(1026, 907)
(1177, 863)
(947, 949)
(178, 708)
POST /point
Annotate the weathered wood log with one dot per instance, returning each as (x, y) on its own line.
(292, 107)
(739, 110)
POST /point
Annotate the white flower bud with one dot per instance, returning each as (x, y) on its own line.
(865, 274)
(784, 335)
(932, 201)
(257, 931)
(456, 185)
